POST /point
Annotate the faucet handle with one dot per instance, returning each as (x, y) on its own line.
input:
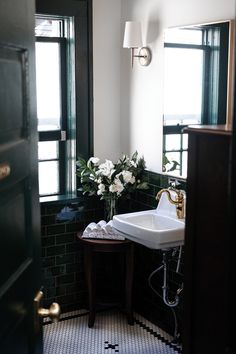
(173, 182)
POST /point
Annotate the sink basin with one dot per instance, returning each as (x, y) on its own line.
(159, 228)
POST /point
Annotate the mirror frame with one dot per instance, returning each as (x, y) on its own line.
(230, 75)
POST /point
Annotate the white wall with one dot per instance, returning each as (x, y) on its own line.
(106, 59)
(128, 104)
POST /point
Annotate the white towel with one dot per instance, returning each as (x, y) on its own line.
(92, 226)
(102, 230)
(101, 224)
(108, 228)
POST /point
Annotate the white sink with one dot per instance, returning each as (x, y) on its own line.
(159, 228)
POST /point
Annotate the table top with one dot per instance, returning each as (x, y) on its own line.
(101, 241)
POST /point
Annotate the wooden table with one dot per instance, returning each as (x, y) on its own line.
(92, 246)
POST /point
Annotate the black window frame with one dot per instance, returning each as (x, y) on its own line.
(80, 124)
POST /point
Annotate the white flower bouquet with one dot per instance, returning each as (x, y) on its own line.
(111, 180)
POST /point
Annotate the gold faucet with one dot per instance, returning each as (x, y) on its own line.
(178, 202)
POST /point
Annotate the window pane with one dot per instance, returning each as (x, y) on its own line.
(183, 35)
(185, 141)
(47, 27)
(173, 142)
(48, 177)
(183, 82)
(48, 150)
(48, 85)
(172, 157)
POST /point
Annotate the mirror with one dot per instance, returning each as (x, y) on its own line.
(198, 85)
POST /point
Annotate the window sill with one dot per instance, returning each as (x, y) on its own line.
(59, 198)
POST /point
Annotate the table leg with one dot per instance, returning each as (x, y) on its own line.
(129, 283)
(90, 277)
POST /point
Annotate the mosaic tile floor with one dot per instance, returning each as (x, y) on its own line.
(110, 334)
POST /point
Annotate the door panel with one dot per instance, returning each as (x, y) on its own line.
(13, 75)
(13, 225)
(19, 200)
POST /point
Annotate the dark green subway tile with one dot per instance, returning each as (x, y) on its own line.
(65, 279)
(79, 257)
(55, 229)
(48, 261)
(98, 215)
(43, 252)
(79, 276)
(54, 271)
(50, 292)
(65, 259)
(60, 290)
(72, 247)
(157, 189)
(150, 190)
(141, 197)
(66, 299)
(42, 209)
(74, 227)
(48, 241)
(55, 250)
(93, 203)
(54, 208)
(154, 179)
(71, 289)
(88, 216)
(71, 268)
(43, 231)
(164, 181)
(48, 220)
(49, 282)
(152, 202)
(65, 238)
(145, 176)
(136, 206)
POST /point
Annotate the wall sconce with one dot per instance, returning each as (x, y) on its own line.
(132, 40)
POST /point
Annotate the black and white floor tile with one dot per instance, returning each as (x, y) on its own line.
(111, 334)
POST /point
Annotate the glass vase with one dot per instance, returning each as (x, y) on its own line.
(110, 208)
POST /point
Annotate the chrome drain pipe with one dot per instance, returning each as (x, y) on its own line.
(165, 295)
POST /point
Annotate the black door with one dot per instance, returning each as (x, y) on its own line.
(19, 206)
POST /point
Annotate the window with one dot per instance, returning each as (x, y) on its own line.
(53, 104)
(68, 23)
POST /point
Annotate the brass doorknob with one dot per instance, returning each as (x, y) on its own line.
(53, 312)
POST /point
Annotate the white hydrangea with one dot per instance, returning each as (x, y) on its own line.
(94, 160)
(128, 177)
(132, 163)
(92, 177)
(101, 189)
(98, 180)
(106, 168)
(117, 187)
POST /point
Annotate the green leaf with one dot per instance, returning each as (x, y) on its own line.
(174, 167)
(143, 185)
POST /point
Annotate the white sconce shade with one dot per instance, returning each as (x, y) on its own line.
(133, 39)
(132, 35)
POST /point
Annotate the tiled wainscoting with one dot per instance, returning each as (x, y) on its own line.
(62, 255)
(62, 258)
